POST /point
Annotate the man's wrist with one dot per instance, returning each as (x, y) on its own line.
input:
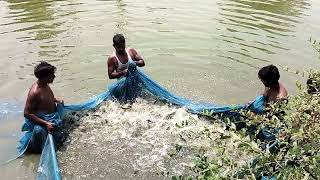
(46, 123)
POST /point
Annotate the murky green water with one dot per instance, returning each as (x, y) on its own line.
(209, 50)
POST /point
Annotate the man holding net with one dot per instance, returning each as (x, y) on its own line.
(41, 111)
(118, 61)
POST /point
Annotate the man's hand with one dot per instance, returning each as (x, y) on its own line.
(49, 127)
(124, 72)
(58, 100)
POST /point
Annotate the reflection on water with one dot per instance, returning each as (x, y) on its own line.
(38, 14)
(247, 26)
(122, 22)
(257, 26)
(41, 23)
(251, 30)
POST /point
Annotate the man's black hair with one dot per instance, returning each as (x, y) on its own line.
(43, 70)
(270, 74)
(118, 39)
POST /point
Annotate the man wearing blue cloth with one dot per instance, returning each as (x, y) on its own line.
(41, 112)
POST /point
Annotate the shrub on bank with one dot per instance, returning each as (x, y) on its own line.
(285, 140)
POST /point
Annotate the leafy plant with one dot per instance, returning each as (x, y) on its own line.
(285, 141)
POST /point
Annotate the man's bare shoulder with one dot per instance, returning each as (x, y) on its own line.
(34, 91)
(282, 86)
(132, 50)
(112, 58)
(34, 88)
(283, 91)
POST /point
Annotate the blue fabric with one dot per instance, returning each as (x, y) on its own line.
(38, 138)
(128, 88)
(268, 178)
(37, 134)
(90, 104)
(137, 83)
(258, 105)
(48, 168)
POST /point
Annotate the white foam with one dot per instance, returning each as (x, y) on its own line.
(150, 133)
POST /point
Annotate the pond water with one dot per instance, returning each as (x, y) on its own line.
(207, 51)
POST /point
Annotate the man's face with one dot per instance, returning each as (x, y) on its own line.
(120, 48)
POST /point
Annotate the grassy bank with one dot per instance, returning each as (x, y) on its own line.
(285, 141)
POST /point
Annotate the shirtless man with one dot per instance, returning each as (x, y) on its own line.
(274, 91)
(118, 62)
(40, 100)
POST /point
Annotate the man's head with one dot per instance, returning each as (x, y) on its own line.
(269, 75)
(119, 43)
(45, 72)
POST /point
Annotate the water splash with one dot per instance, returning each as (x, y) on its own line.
(144, 140)
(10, 109)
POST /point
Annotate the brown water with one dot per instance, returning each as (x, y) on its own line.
(208, 51)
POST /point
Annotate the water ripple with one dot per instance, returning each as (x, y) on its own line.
(267, 22)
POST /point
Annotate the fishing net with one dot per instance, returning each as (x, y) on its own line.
(127, 89)
(137, 83)
(48, 167)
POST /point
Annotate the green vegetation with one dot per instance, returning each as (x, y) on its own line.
(315, 44)
(292, 151)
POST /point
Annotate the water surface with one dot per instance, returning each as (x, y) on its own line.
(207, 51)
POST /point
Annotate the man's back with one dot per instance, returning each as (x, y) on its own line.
(43, 98)
(276, 94)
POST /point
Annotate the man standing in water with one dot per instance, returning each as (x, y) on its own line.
(118, 62)
(274, 91)
(40, 111)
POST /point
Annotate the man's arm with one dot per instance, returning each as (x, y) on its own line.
(137, 58)
(111, 70)
(29, 110)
